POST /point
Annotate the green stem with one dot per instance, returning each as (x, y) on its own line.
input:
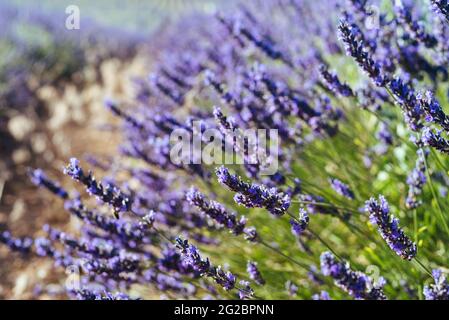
(325, 204)
(304, 266)
(440, 211)
(426, 270)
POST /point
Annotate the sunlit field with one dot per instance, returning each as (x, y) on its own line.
(253, 150)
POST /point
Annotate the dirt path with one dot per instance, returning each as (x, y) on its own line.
(77, 125)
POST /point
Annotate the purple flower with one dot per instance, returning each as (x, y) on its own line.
(192, 258)
(435, 140)
(253, 195)
(291, 288)
(434, 112)
(439, 290)
(216, 211)
(254, 273)
(351, 35)
(334, 84)
(39, 178)
(300, 225)
(413, 27)
(86, 294)
(341, 188)
(356, 283)
(323, 295)
(22, 245)
(245, 290)
(408, 101)
(441, 7)
(416, 181)
(112, 106)
(388, 226)
(108, 194)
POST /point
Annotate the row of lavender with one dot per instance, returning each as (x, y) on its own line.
(345, 137)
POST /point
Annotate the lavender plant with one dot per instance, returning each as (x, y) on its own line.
(342, 139)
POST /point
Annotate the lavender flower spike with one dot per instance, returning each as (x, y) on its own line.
(323, 295)
(413, 27)
(416, 181)
(253, 195)
(356, 283)
(433, 110)
(300, 225)
(442, 7)
(109, 194)
(39, 178)
(22, 245)
(254, 273)
(86, 294)
(216, 211)
(192, 258)
(341, 188)
(292, 289)
(389, 229)
(439, 290)
(355, 47)
(334, 84)
(435, 140)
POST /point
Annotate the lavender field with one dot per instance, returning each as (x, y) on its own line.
(254, 150)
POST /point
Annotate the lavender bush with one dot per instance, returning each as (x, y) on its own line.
(358, 100)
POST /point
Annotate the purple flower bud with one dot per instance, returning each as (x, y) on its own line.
(435, 140)
(323, 295)
(39, 178)
(433, 110)
(441, 7)
(254, 273)
(108, 193)
(300, 225)
(341, 188)
(192, 258)
(356, 283)
(416, 181)
(413, 27)
(22, 245)
(349, 34)
(216, 211)
(334, 84)
(253, 195)
(291, 288)
(388, 226)
(245, 292)
(438, 290)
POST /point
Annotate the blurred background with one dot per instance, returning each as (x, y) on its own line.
(53, 81)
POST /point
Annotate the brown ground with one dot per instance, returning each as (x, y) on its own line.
(76, 127)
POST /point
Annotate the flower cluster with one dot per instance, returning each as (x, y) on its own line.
(439, 290)
(356, 47)
(356, 283)
(300, 225)
(278, 66)
(334, 83)
(388, 226)
(216, 211)
(108, 194)
(341, 188)
(254, 273)
(416, 181)
(442, 7)
(434, 139)
(253, 195)
(192, 257)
